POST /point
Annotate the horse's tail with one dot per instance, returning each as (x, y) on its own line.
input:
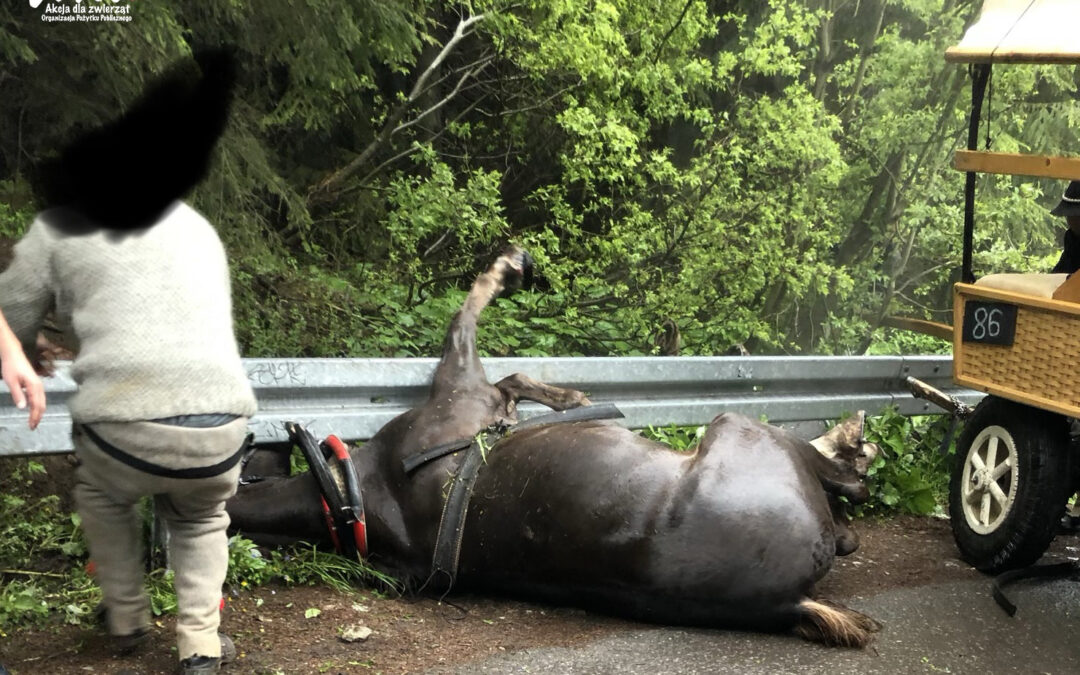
(834, 625)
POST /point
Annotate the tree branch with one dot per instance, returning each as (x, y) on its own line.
(825, 55)
(412, 148)
(329, 186)
(864, 63)
(443, 101)
(678, 22)
(460, 33)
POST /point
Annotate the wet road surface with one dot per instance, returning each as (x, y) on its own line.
(949, 628)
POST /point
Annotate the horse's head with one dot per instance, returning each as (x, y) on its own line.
(849, 458)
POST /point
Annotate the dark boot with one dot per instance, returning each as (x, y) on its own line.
(123, 645)
(199, 665)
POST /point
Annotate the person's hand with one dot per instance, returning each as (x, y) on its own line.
(26, 386)
(48, 353)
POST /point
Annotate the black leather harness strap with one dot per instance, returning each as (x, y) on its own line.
(601, 411)
(444, 560)
(158, 470)
(584, 413)
(413, 462)
(444, 563)
(1063, 570)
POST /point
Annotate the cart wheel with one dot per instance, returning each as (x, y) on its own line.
(1009, 485)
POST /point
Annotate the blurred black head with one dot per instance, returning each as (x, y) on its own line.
(125, 174)
(1070, 201)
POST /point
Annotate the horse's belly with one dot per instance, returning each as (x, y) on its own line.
(593, 528)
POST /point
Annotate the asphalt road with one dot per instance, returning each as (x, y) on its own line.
(951, 628)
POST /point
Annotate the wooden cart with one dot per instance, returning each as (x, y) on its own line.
(1016, 337)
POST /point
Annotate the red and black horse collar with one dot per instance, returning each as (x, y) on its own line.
(342, 502)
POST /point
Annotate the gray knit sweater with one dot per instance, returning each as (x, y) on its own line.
(150, 308)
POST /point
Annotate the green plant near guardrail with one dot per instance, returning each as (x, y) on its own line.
(40, 544)
(681, 438)
(911, 475)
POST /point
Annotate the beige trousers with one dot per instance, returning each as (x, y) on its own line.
(107, 491)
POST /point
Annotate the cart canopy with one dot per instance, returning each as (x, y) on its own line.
(1022, 31)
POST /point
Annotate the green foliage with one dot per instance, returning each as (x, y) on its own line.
(13, 221)
(681, 438)
(769, 173)
(21, 603)
(307, 565)
(247, 566)
(250, 568)
(897, 342)
(162, 591)
(911, 475)
(38, 543)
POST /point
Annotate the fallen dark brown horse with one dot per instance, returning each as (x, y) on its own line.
(591, 514)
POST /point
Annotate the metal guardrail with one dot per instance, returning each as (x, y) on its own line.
(353, 398)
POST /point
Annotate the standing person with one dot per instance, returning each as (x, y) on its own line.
(1069, 207)
(163, 400)
(19, 375)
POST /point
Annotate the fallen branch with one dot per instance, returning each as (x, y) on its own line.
(28, 573)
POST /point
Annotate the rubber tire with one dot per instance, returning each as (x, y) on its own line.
(1044, 469)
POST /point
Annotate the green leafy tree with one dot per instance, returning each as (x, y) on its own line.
(769, 173)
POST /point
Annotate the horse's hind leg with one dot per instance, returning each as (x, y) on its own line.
(834, 625)
(517, 387)
(460, 366)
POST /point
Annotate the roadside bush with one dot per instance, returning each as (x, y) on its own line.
(911, 475)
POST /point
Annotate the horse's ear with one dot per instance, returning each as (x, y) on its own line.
(844, 439)
(853, 430)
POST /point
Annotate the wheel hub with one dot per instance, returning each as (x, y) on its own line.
(980, 480)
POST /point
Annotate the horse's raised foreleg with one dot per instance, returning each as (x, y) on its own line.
(460, 367)
(519, 387)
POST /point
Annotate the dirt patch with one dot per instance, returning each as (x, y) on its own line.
(273, 634)
(57, 479)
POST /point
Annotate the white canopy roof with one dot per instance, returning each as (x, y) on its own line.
(1022, 31)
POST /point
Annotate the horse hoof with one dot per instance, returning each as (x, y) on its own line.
(520, 272)
(526, 270)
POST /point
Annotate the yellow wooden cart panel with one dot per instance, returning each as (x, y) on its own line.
(1041, 367)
